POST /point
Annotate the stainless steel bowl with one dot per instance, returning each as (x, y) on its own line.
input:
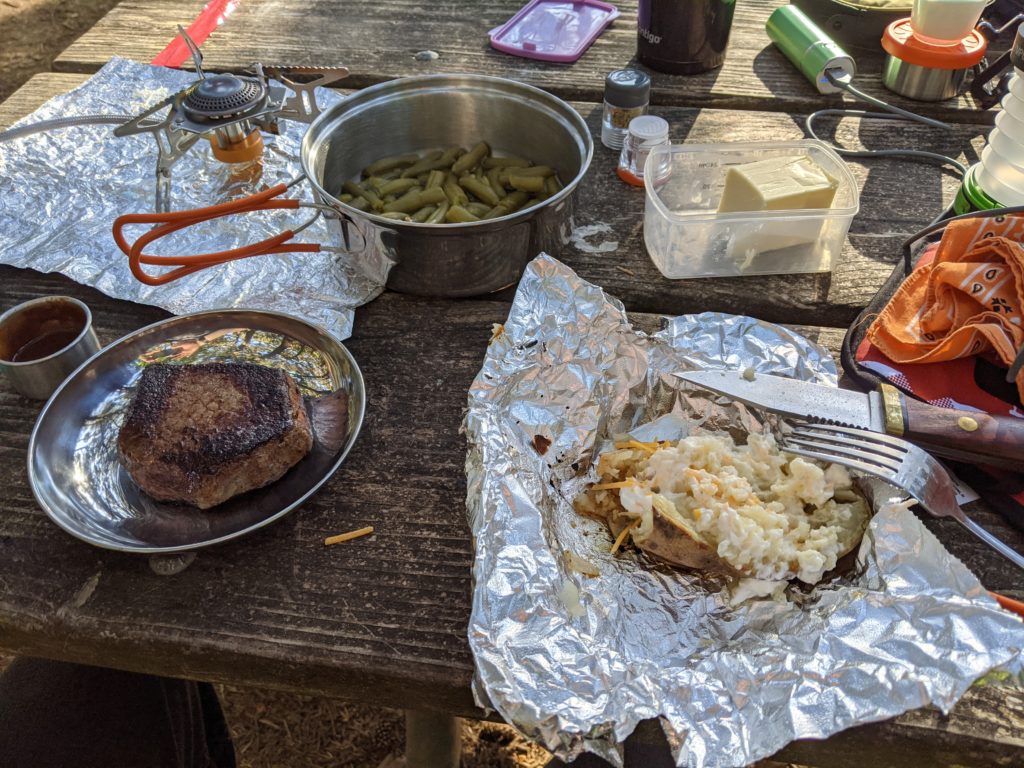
(419, 113)
(922, 83)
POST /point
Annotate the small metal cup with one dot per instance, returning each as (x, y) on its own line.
(42, 341)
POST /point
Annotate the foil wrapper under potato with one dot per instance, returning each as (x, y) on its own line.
(905, 626)
(61, 190)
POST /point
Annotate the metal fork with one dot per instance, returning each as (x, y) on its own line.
(896, 461)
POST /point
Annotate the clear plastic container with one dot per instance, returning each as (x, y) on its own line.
(686, 236)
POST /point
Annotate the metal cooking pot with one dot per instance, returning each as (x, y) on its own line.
(402, 116)
(418, 113)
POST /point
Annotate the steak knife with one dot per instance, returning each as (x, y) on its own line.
(968, 436)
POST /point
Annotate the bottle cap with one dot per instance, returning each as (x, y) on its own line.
(900, 41)
(648, 128)
(627, 88)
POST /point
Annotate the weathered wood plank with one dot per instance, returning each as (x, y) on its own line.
(897, 198)
(34, 93)
(982, 730)
(379, 39)
(381, 620)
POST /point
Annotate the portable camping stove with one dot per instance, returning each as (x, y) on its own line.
(230, 111)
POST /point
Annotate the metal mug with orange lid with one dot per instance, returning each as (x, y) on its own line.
(926, 71)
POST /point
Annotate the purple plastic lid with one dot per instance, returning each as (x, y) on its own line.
(553, 31)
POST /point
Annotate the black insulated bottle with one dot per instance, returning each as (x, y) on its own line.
(683, 37)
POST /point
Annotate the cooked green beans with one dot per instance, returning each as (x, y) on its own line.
(534, 170)
(481, 189)
(524, 183)
(471, 159)
(455, 193)
(459, 215)
(424, 165)
(435, 179)
(397, 187)
(413, 200)
(450, 186)
(437, 217)
(365, 192)
(477, 209)
(390, 163)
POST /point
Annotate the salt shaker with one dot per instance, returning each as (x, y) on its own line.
(645, 133)
(627, 92)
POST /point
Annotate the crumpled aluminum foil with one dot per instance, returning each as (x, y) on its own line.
(908, 626)
(60, 192)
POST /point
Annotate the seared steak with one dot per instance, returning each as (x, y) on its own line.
(204, 433)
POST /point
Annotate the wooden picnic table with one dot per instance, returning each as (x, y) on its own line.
(384, 621)
(380, 39)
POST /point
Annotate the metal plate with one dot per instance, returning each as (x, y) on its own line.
(73, 465)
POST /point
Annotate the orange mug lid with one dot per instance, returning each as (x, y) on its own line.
(900, 41)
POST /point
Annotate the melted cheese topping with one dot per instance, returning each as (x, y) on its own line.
(769, 515)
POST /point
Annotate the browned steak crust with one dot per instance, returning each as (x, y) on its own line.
(204, 433)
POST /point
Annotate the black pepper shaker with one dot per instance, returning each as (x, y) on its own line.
(627, 92)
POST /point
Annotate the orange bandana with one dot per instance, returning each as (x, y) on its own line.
(967, 301)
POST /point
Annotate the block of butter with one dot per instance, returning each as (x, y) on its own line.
(777, 184)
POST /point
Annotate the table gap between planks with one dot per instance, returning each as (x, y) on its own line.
(385, 622)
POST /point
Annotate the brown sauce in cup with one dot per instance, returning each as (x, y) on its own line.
(40, 330)
(45, 345)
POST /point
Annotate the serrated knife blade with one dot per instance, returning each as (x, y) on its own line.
(792, 397)
(962, 435)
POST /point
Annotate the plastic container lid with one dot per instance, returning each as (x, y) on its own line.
(553, 31)
(627, 88)
(648, 128)
(900, 41)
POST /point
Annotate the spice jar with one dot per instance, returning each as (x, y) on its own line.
(645, 133)
(627, 92)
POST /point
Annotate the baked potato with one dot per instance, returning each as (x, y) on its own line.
(706, 504)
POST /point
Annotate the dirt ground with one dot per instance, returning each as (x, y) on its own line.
(33, 32)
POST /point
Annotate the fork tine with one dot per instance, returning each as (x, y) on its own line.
(904, 465)
(897, 443)
(843, 438)
(841, 453)
(845, 445)
(846, 461)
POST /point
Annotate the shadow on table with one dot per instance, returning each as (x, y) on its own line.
(899, 195)
(665, 87)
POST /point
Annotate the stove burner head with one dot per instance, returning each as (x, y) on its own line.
(223, 96)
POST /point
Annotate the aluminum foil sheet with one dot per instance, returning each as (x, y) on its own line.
(60, 192)
(905, 626)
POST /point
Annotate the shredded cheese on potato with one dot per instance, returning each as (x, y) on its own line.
(768, 515)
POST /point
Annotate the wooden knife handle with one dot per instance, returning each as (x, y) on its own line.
(968, 436)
